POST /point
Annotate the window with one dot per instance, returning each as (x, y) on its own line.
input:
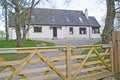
(82, 30)
(52, 18)
(71, 30)
(67, 19)
(37, 29)
(80, 19)
(95, 30)
(33, 18)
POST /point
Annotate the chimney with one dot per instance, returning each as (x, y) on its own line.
(86, 13)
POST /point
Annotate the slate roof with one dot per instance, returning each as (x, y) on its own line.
(41, 16)
(93, 22)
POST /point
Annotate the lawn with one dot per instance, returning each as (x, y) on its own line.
(27, 43)
(12, 44)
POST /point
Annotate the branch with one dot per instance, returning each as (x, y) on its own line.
(117, 8)
(33, 4)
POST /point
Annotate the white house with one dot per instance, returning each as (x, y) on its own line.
(55, 23)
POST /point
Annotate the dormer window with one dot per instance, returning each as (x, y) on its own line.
(52, 18)
(33, 18)
(67, 19)
(80, 19)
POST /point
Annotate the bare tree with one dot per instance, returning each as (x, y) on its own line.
(5, 6)
(109, 21)
(110, 18)
(20, 11)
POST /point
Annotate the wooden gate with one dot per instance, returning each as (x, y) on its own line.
(85, 62)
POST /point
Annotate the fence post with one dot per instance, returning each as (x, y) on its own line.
(116, 52)
(68, 62)
(118, 38)
(111, 56)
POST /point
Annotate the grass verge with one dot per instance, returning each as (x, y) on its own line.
(27, 43)
(117, 76)
(10, 57)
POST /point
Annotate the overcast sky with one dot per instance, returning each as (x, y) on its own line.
(96, 8)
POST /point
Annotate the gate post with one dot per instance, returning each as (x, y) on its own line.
(68, 62)
(116, 52)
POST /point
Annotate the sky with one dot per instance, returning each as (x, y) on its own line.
(96, 8)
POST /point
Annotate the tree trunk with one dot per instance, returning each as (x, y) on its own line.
(6, 25)
(19, 41)
(109, 21)
(26, 28)
(20, 18)
(18, 25)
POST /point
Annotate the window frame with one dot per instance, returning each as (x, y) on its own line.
(37, 29)
(80, 19)
(32, 17)
(52, 18)
(71, 30)
(95, 30)
(82, 31)
(67, 19)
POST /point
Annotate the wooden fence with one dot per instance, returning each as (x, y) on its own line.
(85, 62)
(116, 52)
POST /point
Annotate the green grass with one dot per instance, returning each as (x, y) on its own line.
(99, 42)
(27, 43)
(93, 58)
(117, 75)
(10, 57)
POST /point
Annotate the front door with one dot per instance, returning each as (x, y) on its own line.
(54, 31)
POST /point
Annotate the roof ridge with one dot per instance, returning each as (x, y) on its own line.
(57, 9)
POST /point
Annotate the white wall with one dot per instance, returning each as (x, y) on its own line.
(76, 32)
(46, 33)
(12, 34)
(94, 35)
(62, 32)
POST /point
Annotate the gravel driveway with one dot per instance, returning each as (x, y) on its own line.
(75, 42)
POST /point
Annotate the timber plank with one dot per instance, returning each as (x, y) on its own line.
(95, 76)
(68, 62)
(54, 61)
(68, 58)
(51, 66)
(81, 65)
(17, 62)
(5, 74)
(102, 59)
(21, 66)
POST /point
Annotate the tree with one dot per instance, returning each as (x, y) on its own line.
(5, 6)
(110, 18)
(109, 21)
(20, 11)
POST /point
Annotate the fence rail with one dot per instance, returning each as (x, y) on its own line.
(87, 62)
